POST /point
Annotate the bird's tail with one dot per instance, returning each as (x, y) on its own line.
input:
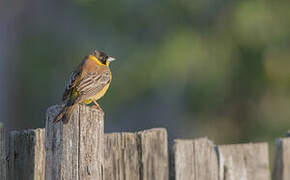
(65, 114)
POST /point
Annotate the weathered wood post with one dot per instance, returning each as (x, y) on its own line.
(244, 161)
(74, 151)
(2, 154)
(132, 156)
(26, 158)
(121, 157)
(195, 159)
(153, 154)
(282, 159)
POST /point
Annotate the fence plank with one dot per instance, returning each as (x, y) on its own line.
(195, 160)
(75, 150)
(244, 161)
(2, 153)
(153, 154)
(282, 159)
(142, 155)
(121, 157)
(26, 155)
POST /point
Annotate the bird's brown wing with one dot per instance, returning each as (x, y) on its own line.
(74, 79)
(93, 83)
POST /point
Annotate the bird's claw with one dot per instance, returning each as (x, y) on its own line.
(98, 106)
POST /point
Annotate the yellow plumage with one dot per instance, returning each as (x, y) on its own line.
(98, 95)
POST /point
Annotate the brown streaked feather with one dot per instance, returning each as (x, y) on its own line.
(93, 83)
(73, 81)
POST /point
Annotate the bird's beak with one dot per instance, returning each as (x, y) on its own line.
(110, 59)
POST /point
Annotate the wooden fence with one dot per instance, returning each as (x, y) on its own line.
(80, 150)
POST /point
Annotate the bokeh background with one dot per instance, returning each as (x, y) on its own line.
(216, 68)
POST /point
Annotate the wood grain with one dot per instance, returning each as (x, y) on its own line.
(282, 159)
(26, 155)
(244, 162)
(121, 157)
(132, 156)
(153, 154)
(74, 151)
(195, 160)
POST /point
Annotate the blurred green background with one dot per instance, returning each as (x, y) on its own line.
(216, 68)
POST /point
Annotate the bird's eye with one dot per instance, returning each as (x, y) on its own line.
(103, 59)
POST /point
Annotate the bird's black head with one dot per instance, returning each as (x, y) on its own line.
(102, 57)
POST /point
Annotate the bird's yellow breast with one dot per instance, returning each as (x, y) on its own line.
(99, 94)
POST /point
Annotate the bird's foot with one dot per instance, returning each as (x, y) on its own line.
(98, 106)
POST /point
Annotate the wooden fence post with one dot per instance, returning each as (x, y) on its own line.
(195, 160)
(142, 155)
(26, 155)
(2, 153)
(282, 159)
(121, 157)
(74, 151)
(244, 161)
(153, 154)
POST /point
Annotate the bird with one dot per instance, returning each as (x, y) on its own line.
(87, 83)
